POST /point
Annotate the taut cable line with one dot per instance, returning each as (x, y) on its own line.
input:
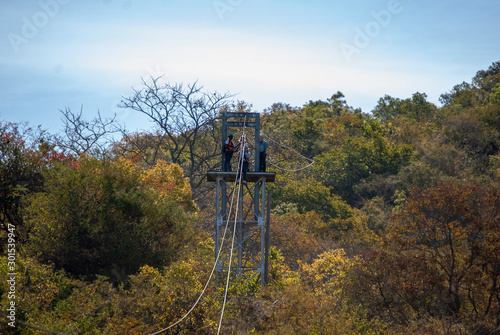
(240, 169)
(240, 175)
(298, 153)
(218, 255)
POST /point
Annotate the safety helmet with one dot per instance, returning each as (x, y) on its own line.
(230, 135)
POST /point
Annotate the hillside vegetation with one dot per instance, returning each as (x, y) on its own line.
(394, 228)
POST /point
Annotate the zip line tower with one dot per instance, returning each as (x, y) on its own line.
(249, 221)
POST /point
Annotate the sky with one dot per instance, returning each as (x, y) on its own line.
(87, 55)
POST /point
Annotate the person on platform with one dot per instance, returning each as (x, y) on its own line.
(245, 160)
(228, 149)
(263, 153)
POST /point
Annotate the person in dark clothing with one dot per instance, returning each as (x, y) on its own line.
(263, 153)
(245, 160)
(229, 148)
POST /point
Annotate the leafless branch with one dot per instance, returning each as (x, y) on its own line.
(86, 137)
(184, 118)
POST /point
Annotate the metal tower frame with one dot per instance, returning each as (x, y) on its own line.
(250, 223)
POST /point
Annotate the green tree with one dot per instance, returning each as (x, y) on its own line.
(469, 133)
(310, 195)
(417, 107)
(477, 92)
(358, 151)
(463, 94)
(25, 155)
(105, 218)
(487, 79)
(387, 108)
(495, 95)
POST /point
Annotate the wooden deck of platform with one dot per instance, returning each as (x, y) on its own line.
(252, 177)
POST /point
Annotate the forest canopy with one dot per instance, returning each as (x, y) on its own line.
(382, 222)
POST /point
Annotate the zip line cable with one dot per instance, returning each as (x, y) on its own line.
(209, 278)
(296, 170)
(218, 255)
(230, 261)
(192, 308)
(298, 153)
(240, 172)
(290, 148)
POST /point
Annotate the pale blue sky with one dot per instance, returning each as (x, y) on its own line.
(67, 53)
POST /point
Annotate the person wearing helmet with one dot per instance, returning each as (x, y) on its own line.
(228, 149)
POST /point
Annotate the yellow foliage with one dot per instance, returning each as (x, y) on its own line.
(328, 272)
(169, 180)
(166, 179)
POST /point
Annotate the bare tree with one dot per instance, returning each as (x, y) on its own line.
(185, 126)
(86, 137)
